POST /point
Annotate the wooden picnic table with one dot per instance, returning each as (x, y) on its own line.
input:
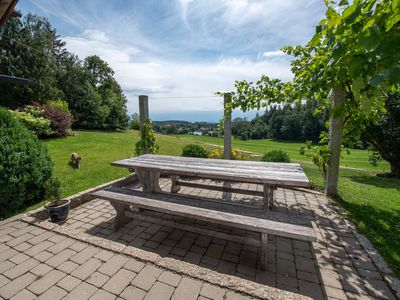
(271, 175)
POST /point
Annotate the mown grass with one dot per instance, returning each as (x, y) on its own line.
(373, 203)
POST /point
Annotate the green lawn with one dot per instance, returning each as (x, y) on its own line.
(373, 203)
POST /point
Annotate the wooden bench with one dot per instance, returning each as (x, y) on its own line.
(235, 216)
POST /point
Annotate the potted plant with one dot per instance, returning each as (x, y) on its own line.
(57, 209)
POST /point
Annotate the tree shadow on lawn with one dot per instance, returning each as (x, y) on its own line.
(381, 227)
(380, 182)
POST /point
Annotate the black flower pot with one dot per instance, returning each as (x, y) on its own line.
(58, 211)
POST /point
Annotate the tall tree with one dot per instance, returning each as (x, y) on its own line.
(29, 48)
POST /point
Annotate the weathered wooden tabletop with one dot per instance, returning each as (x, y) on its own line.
(281, 174)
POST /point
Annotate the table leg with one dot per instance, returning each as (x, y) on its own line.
(150, 180)
(174, 184)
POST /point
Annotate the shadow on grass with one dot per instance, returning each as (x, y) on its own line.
(380, 182)
(381, 227)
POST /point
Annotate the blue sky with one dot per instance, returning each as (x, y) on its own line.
(178, 49)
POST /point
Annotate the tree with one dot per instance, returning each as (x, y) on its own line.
(29, 48)
(384, 136)
(350, 65)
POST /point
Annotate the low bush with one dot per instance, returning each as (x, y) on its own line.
(194, 150)
(60, 104)
(276, 156)
(60, 121)
(35, 123)
(235, 154)
(25, 166)
(54, 118)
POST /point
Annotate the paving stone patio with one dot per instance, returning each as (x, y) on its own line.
(35, 262)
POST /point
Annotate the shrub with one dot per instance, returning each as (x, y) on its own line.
(25, 166)
(60, 105)
(56, 116)
(194, 150)
(276, 156)
(60, 121)
(34, 122)
(235, 154)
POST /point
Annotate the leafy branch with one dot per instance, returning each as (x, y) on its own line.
(147, 142)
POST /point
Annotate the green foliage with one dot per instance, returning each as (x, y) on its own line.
(134, 121)
(147, 140)
(25, 166)
(194, 150)
(319, 155)
(34, 122)
(53, 189)
(276, 156)
(384, 136)
(31, 49)
(60, 105)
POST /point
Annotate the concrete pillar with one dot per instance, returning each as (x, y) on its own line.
(335, 140)
(143, 114)
(227, 127)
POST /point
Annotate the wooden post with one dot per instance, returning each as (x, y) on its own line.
(143, 114)
(227, 127)
(335, 140)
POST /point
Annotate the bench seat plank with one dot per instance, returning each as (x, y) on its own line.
(151, 202)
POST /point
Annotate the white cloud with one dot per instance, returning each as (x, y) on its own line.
(173, 79)
(278, 53)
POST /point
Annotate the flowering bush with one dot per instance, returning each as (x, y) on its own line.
(235, 154)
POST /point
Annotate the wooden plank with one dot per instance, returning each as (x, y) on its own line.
(211, 172)
(218, 217)
(195, 229)
(219, 188)
(219, 163)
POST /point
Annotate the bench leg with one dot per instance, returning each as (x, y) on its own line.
(266, 197)
(174, 184)
(120, 218)
(264, 251)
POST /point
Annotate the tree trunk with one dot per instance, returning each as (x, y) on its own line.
(395, 169)
(335, 140)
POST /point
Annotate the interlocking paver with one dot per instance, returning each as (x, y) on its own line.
(113, 265)
(82, 292)
(170, 278)
(84, 255)
(45, 282)
(132, 292)
(160, 291)
(22, 268)
(119, 281)
(187, 289)
(103, 295)
(18, 284)
(69, 282)
(24, 295)
(53, 293)
(97, 279)
(212, 292)
(336, 264)
(86, 269)
(134, 265)
(61, 257)
(146, 278)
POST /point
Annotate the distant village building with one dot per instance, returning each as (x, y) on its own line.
(197, 133)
